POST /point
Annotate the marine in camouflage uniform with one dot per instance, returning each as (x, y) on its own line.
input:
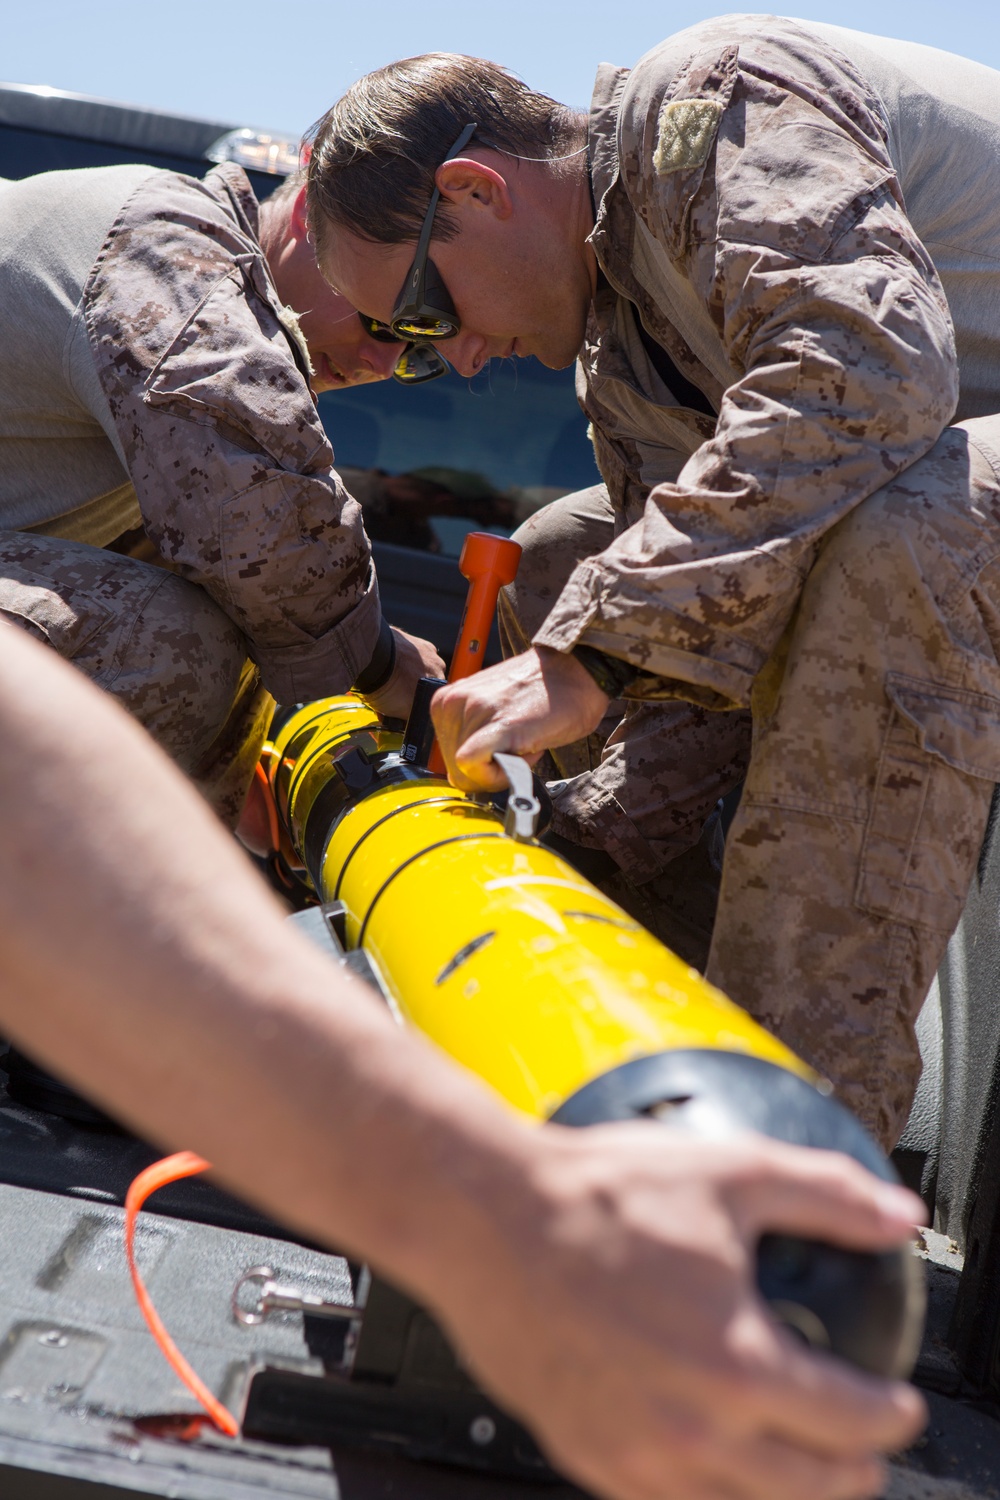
(175, 397)
(769, 371)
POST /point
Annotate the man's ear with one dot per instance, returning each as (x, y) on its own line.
(465, 181)
(299, 218)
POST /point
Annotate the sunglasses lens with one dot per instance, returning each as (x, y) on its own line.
(424, 325)
(381, 332)
(433, 316)
(419, 363)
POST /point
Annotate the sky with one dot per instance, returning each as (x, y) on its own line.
(280, 66)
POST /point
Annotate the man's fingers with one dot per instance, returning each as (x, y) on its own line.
(523, 705)
(823, 1195)
(479, 772)
(415, 658)
(768, 1468)
(454, 716)
(696, 1455)
(474, 756)
(468, 733)
(478, 776)
(821, 1403)
(812, 1399)
(475, 772)
(419, 658)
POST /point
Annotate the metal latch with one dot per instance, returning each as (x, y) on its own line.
(272, 1297)
(523, 807)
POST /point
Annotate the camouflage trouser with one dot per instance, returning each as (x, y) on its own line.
(876, 749)
(156, 642)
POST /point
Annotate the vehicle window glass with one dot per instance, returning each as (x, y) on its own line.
(474, 454)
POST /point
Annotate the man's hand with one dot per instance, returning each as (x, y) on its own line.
(622, 1322)
(415, 658)
(525, 705)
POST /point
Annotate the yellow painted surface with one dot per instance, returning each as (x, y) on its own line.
(503, 954)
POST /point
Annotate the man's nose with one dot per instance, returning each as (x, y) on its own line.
(466, 353)
(381, 359)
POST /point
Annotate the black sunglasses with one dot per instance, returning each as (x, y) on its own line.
(424, 309)
(416, 363)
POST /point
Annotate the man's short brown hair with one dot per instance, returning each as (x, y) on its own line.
(374, 154)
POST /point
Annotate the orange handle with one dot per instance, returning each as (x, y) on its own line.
(488, 562)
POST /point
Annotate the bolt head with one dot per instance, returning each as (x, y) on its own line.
(483, 1431)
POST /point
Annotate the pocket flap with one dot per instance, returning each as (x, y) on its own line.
(66, 619)
(960, 726)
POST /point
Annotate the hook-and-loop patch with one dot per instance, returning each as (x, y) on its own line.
(685, 134)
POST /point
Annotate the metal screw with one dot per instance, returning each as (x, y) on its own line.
(483, 1431)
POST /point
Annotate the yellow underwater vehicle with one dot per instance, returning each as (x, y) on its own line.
(526, 974)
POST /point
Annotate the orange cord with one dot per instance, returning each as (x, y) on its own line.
(161, 1174)
(266, 792)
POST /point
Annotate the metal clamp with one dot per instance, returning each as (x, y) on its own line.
(275, 1298)
(523, 807)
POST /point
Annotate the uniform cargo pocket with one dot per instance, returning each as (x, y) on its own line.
(940, 757)
(65, 624)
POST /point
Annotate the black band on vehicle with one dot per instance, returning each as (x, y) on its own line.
(382, 664)
(453, 800)
(458, 838)
(611, 674)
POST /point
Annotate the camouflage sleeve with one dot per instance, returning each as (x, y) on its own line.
(224, 446)
(778, 201)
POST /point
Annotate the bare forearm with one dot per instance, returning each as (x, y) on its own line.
(141, 958)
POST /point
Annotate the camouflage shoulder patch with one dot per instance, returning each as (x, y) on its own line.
(686, 131)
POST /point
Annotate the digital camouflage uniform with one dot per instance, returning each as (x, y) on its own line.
(826, 550)
(206, 380)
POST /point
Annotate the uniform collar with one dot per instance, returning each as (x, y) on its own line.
(603, 138)
(228, 181)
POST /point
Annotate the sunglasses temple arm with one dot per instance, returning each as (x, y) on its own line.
(427, 228)
(420, 255)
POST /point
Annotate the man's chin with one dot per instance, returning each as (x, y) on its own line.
(558, 359)
(558, 347)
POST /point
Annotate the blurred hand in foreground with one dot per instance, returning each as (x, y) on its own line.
(627, 1331)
